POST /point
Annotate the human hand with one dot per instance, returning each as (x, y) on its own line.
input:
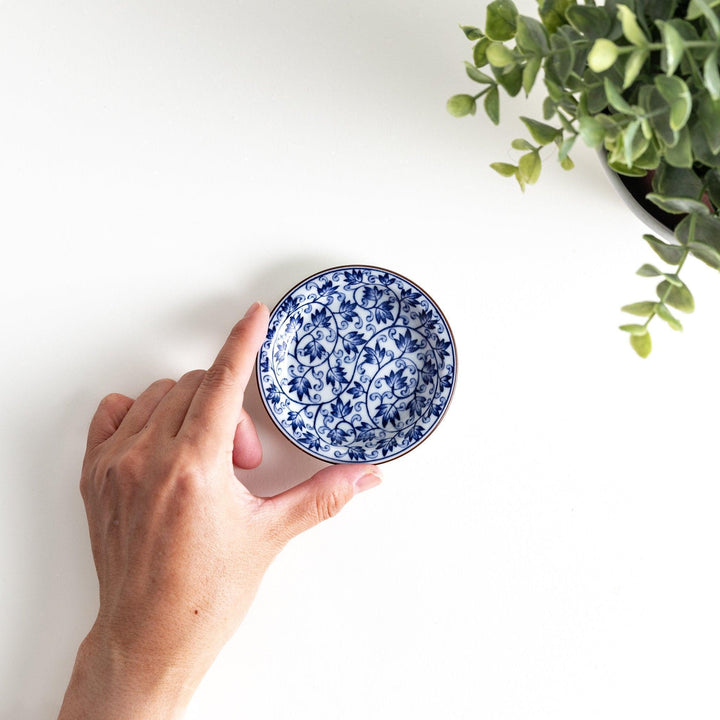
(180, 546)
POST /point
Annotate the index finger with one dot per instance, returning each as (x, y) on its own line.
(216, 406)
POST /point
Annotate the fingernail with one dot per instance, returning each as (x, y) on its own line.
(367, 481)
(252, 309)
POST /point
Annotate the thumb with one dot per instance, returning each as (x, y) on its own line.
(321, 497)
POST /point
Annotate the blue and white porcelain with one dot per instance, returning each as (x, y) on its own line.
(358, 365)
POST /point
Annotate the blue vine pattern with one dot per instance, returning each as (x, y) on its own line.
(358, 365)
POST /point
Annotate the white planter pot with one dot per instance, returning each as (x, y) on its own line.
(659, 223)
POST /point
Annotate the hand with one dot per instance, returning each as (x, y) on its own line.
(180, 546)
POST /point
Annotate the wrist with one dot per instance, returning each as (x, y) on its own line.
(107, 685)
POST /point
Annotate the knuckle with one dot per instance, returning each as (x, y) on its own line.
(112, 401)
(84, 486)
(193, 376)
(330, 503)
(163, 385)
(187, 487)
(184, 473)
(126, 469)
(220, 376)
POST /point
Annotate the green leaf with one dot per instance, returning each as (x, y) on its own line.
(594, 92)
(510, 78)
(646, 128)
(649, 159)
(530, 72)
(698, 7)
(505, 169)
(477, 75)
(567, 126)
(529, 167)
(634, 65)
(673, 279)
(542, 134)
(565, 147)
(658, 112)
(555, 92)
(671, 254)
(521, 144)
(681, 154)
(642, 309)
(678, 297)
(629, 170)
(648, 270)
(501, 20)
(566, 163)
(591, 131)
(678, 96)
(531, 36)
(615, 98)
(480, 52)
(492, 104)
(713, 186)
(630, 147)
(704, 228)
(641, 344)
(703, 155)
(664, 314)
(694, 11)
(634, 329)
(562, 58)
(707, 253)
(678, 182)
(602, 55)
(499, 55)
(592, 22)
(708, 112)
(549, 108)
(552, 13)
(674, 46)
(678, 205)
(630, 27)
(712, 75)
(471, 32)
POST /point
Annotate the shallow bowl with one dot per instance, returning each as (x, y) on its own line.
(358, 365)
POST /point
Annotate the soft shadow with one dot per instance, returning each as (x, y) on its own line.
(284, 465)
(58, 583)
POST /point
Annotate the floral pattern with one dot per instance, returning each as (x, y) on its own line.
(358, 365)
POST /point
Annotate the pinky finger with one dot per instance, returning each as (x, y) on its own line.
(110, 413)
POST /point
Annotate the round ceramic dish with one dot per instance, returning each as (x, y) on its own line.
(358, 365)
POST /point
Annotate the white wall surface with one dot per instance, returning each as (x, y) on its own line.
(550, 553)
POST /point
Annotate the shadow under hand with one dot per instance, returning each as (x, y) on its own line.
(283, 465)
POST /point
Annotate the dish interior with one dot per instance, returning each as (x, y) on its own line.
(358, 365)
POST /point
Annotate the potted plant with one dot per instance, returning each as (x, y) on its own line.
(637, 80)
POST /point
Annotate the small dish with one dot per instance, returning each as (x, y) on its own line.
(358, 365)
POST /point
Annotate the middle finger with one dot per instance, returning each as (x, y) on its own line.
(170, 412)
(140, 411)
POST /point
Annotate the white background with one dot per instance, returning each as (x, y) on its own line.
(549, 553)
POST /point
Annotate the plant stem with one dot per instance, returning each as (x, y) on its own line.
(482, 92)
(686, 252)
